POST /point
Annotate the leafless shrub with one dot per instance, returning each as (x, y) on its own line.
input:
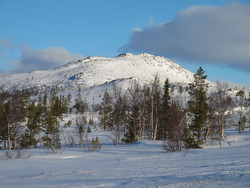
(15, 154)
(171, 145)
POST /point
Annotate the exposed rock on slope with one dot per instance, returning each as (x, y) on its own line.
(96, 71)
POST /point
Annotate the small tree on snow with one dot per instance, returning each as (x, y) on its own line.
(81, 128)
(105, 111)
(165, 109)
(118, 116)
(174, 128)
(243, 104)
(51, 131)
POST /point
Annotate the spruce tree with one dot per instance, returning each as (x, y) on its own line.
(135, 113)
(49, 124)
(3, 121)
(197, 109)
(58, 106)
(32, 127)
(133, 124)
(105, 111)
(243, 104)
(80, 105)
(51, 131)
(165, 108)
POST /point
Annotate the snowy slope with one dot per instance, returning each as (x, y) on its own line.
(94, 71)
(95, 75)
(143, 164)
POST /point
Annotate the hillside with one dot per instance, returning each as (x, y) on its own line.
(94, 75)
(94, 71)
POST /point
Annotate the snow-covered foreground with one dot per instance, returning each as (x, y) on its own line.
(143, 164)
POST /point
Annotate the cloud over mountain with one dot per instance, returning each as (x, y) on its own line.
(207, 34)
(37, 59)
(30, 59)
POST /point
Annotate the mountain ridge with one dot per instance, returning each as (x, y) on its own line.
(95, 75)
(95, 70)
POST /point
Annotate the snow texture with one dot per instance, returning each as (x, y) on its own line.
(142, 164)
(97, 74)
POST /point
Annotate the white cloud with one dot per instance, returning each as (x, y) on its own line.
(137, 29)
(37, 59)
(207, 34)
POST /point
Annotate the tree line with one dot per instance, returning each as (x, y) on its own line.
(26, 120)
(153, 112)
(180, 117)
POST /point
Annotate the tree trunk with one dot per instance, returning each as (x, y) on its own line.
(222, 137)
(207, 133)
(81, 140)
(152, 118)
(9, 140)
(155, 129)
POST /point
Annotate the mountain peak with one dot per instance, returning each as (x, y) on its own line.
(134, 55)
(125, 55)
(96, 74)
(146, 55)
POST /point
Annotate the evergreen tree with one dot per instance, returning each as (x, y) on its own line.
(68, 99)
(105, 111)
(51, 131)
(3, 121)
(80, 105)
(165, 109)
(197, 109)
(49, 123)
(243, 104)
(34, 114)
(58, 105)
(135, 113)
(133, 123)
(44, 100)
(94, 145)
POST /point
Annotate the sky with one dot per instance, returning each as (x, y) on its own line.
(43, 34)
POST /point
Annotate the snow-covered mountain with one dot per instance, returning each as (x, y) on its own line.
(94, 71)
(97, 74)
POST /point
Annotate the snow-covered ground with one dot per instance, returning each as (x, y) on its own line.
(143, 164)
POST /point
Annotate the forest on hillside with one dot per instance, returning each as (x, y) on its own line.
(182, 117)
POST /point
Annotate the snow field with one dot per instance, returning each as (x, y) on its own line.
(142, 164)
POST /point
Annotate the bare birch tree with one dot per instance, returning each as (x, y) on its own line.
(220, 104)
(118, 116)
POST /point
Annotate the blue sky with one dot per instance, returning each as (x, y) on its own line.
(41, 34)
